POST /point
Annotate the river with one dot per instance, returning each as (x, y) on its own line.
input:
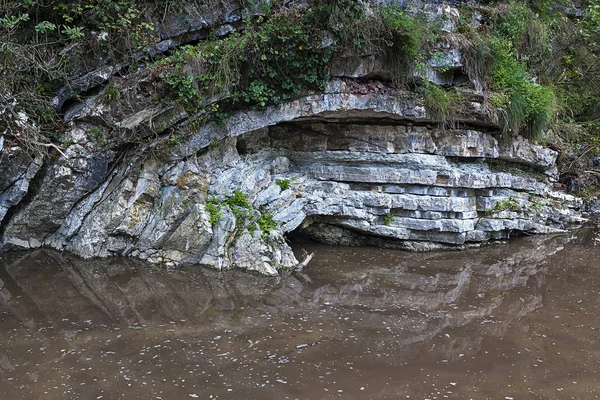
(517, 320)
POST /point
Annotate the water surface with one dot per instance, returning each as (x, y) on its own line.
(518, 320)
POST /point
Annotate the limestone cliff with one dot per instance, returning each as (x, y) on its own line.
(358, 162)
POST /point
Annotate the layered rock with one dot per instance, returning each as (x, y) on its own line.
(343, 167)
(358, 163)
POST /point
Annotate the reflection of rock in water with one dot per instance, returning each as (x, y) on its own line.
(45, 288)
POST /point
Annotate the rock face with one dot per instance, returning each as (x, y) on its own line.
(358, 163)
(342, 167)
(17, 170)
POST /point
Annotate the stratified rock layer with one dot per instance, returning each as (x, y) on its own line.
(341, 166)
(357, 163)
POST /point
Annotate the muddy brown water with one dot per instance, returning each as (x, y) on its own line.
(511, 321)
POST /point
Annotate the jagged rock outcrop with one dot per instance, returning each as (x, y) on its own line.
(361, 169)
(357, 163)
(18, 169)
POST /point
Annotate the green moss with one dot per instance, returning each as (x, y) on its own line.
(388, 219)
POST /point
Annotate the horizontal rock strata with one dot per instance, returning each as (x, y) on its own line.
(341, 166)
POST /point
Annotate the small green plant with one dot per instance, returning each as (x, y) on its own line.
(96, 133)
(438, 101)
(183, 85)
(536, 206)
(45, 27)
(239, 199)
(112, 93)
(266, 223)
(588, 192)
(388, 219)
(214, 144)
(509, 204)
(284, 184)
(439, 59)
(251, 228)
(214, 210)
(73, 32)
